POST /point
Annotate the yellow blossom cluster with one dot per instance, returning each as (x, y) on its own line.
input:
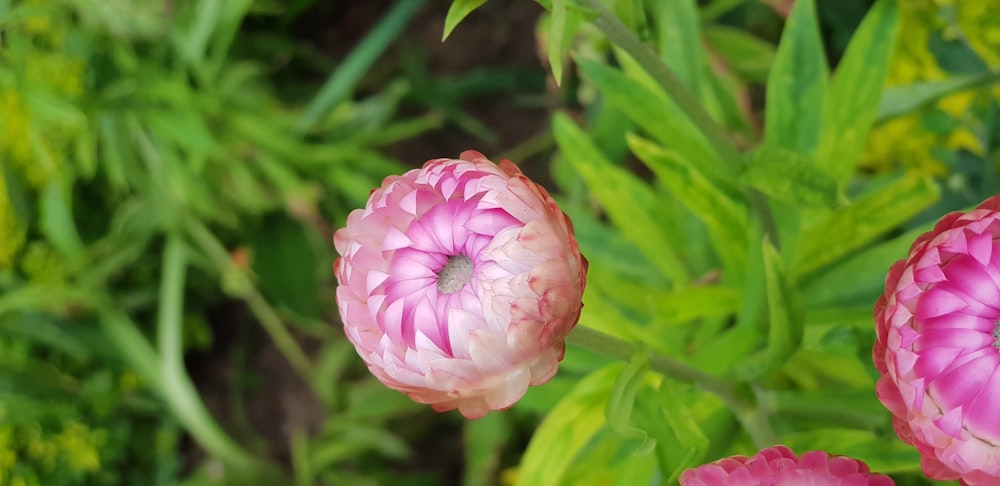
(906, 141)
(28, 453)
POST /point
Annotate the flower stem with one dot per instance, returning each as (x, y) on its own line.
(619, 34)
(753, 417)
(178, 390)
(261, 309)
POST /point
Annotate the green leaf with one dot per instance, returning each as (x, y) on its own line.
(691, 444)
(747, 55)
(557, 34)
(621, 401)
(862, 276)
(684, 305)
(459, 10)
(904, 99)
(57, 220)
(286, 262)
(796, 84)
(629, 202)
(790, 177)
(680, 39)
(567, 429)
(849, 228)
(660, 117)
(852, 99)
(783, 307)
(725, 220)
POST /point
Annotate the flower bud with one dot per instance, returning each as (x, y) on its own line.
(937, 347)
(458, 283)
(781, 467)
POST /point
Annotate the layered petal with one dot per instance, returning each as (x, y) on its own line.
(779, 466)
(937, 346)
(458, 282)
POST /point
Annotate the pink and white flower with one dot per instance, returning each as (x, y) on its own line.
(779, 466)
(458, 283)
(937, 347)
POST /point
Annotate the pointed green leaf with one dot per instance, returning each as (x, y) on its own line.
(680, 39)
(557, 31)
(57, 220)
(852, 99)
(726, 221)
(790, 177)
(784, 309)
(796, 84)
(660, 117)
(904, 99)
(855, 280)
(459, 10)
(621, 401)
(627, 200)
(567, 430)
(747, 55)
(842, 231)
(691, 443)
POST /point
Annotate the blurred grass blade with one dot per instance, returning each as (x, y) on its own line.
(747, 55)
(784, 309)
(871, 215)
(904, 99)
(852, 99)
(484, 441)
(627, 200)
(796, 84)
(57, 220)
(680, 40)
(458, 10)
(339, 85)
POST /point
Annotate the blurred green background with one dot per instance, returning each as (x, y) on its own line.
(173, 171)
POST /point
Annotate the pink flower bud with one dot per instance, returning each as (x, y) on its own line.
(779, 466)
(937, 346)
(458, 283)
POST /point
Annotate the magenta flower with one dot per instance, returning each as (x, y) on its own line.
(937, 346)
(779, 466)
(458, 283)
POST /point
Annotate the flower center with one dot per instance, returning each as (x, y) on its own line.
(455, 274)
(996, 335)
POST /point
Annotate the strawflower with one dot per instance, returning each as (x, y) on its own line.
(779, 466)
(458, 283)
(937, 346)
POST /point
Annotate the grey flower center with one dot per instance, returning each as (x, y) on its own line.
(996, 335)
(455, 274)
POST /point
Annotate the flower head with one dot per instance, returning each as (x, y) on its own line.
(937, 346)
(779, 466)
(458, 283)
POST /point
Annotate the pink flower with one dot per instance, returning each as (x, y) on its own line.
(458, 283)
(937, 346)
(779, 466)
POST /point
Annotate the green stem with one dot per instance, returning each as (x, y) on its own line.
(261, 309)
(753, 417)
(338, 86)
(619, 34)
(178, 390)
